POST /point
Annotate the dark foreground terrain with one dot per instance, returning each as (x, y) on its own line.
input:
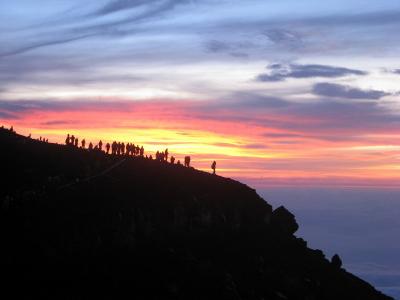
(76, 224)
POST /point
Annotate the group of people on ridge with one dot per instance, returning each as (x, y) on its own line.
(118, 148)
(129, 149)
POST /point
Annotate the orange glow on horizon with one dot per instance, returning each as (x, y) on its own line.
(243, 150)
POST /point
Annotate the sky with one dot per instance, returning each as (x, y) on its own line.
(277, 92)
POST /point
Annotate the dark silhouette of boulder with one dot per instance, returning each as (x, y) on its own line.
(284, 220)
(336, 261)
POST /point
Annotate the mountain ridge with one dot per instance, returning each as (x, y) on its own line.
(82, 224)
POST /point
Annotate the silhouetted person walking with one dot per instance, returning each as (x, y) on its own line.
(213, 166)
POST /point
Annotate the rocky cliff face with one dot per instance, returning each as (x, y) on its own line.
(78, 224)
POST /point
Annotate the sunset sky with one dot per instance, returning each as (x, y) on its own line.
(281, 92)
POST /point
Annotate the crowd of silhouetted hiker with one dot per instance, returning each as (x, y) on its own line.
(129, 149)
(119, 149)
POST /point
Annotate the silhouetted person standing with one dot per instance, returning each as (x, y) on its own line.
(108, 147)
(83, 143)
(67, 140)
(133, 153)
(127, 149)
(133, 149)
(172, 160)
(90, 146)
(213, 166)
(100, 145)
(114, 148)
(166, 154)
(187, 161)
(76, 142)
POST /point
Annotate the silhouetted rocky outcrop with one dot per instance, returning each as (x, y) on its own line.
(284, 221)
(79, 224)
(336, 261)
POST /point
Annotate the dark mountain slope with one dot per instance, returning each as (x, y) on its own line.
(80, 225)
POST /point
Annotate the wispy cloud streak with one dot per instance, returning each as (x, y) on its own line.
(279, 72)
(347, 92)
